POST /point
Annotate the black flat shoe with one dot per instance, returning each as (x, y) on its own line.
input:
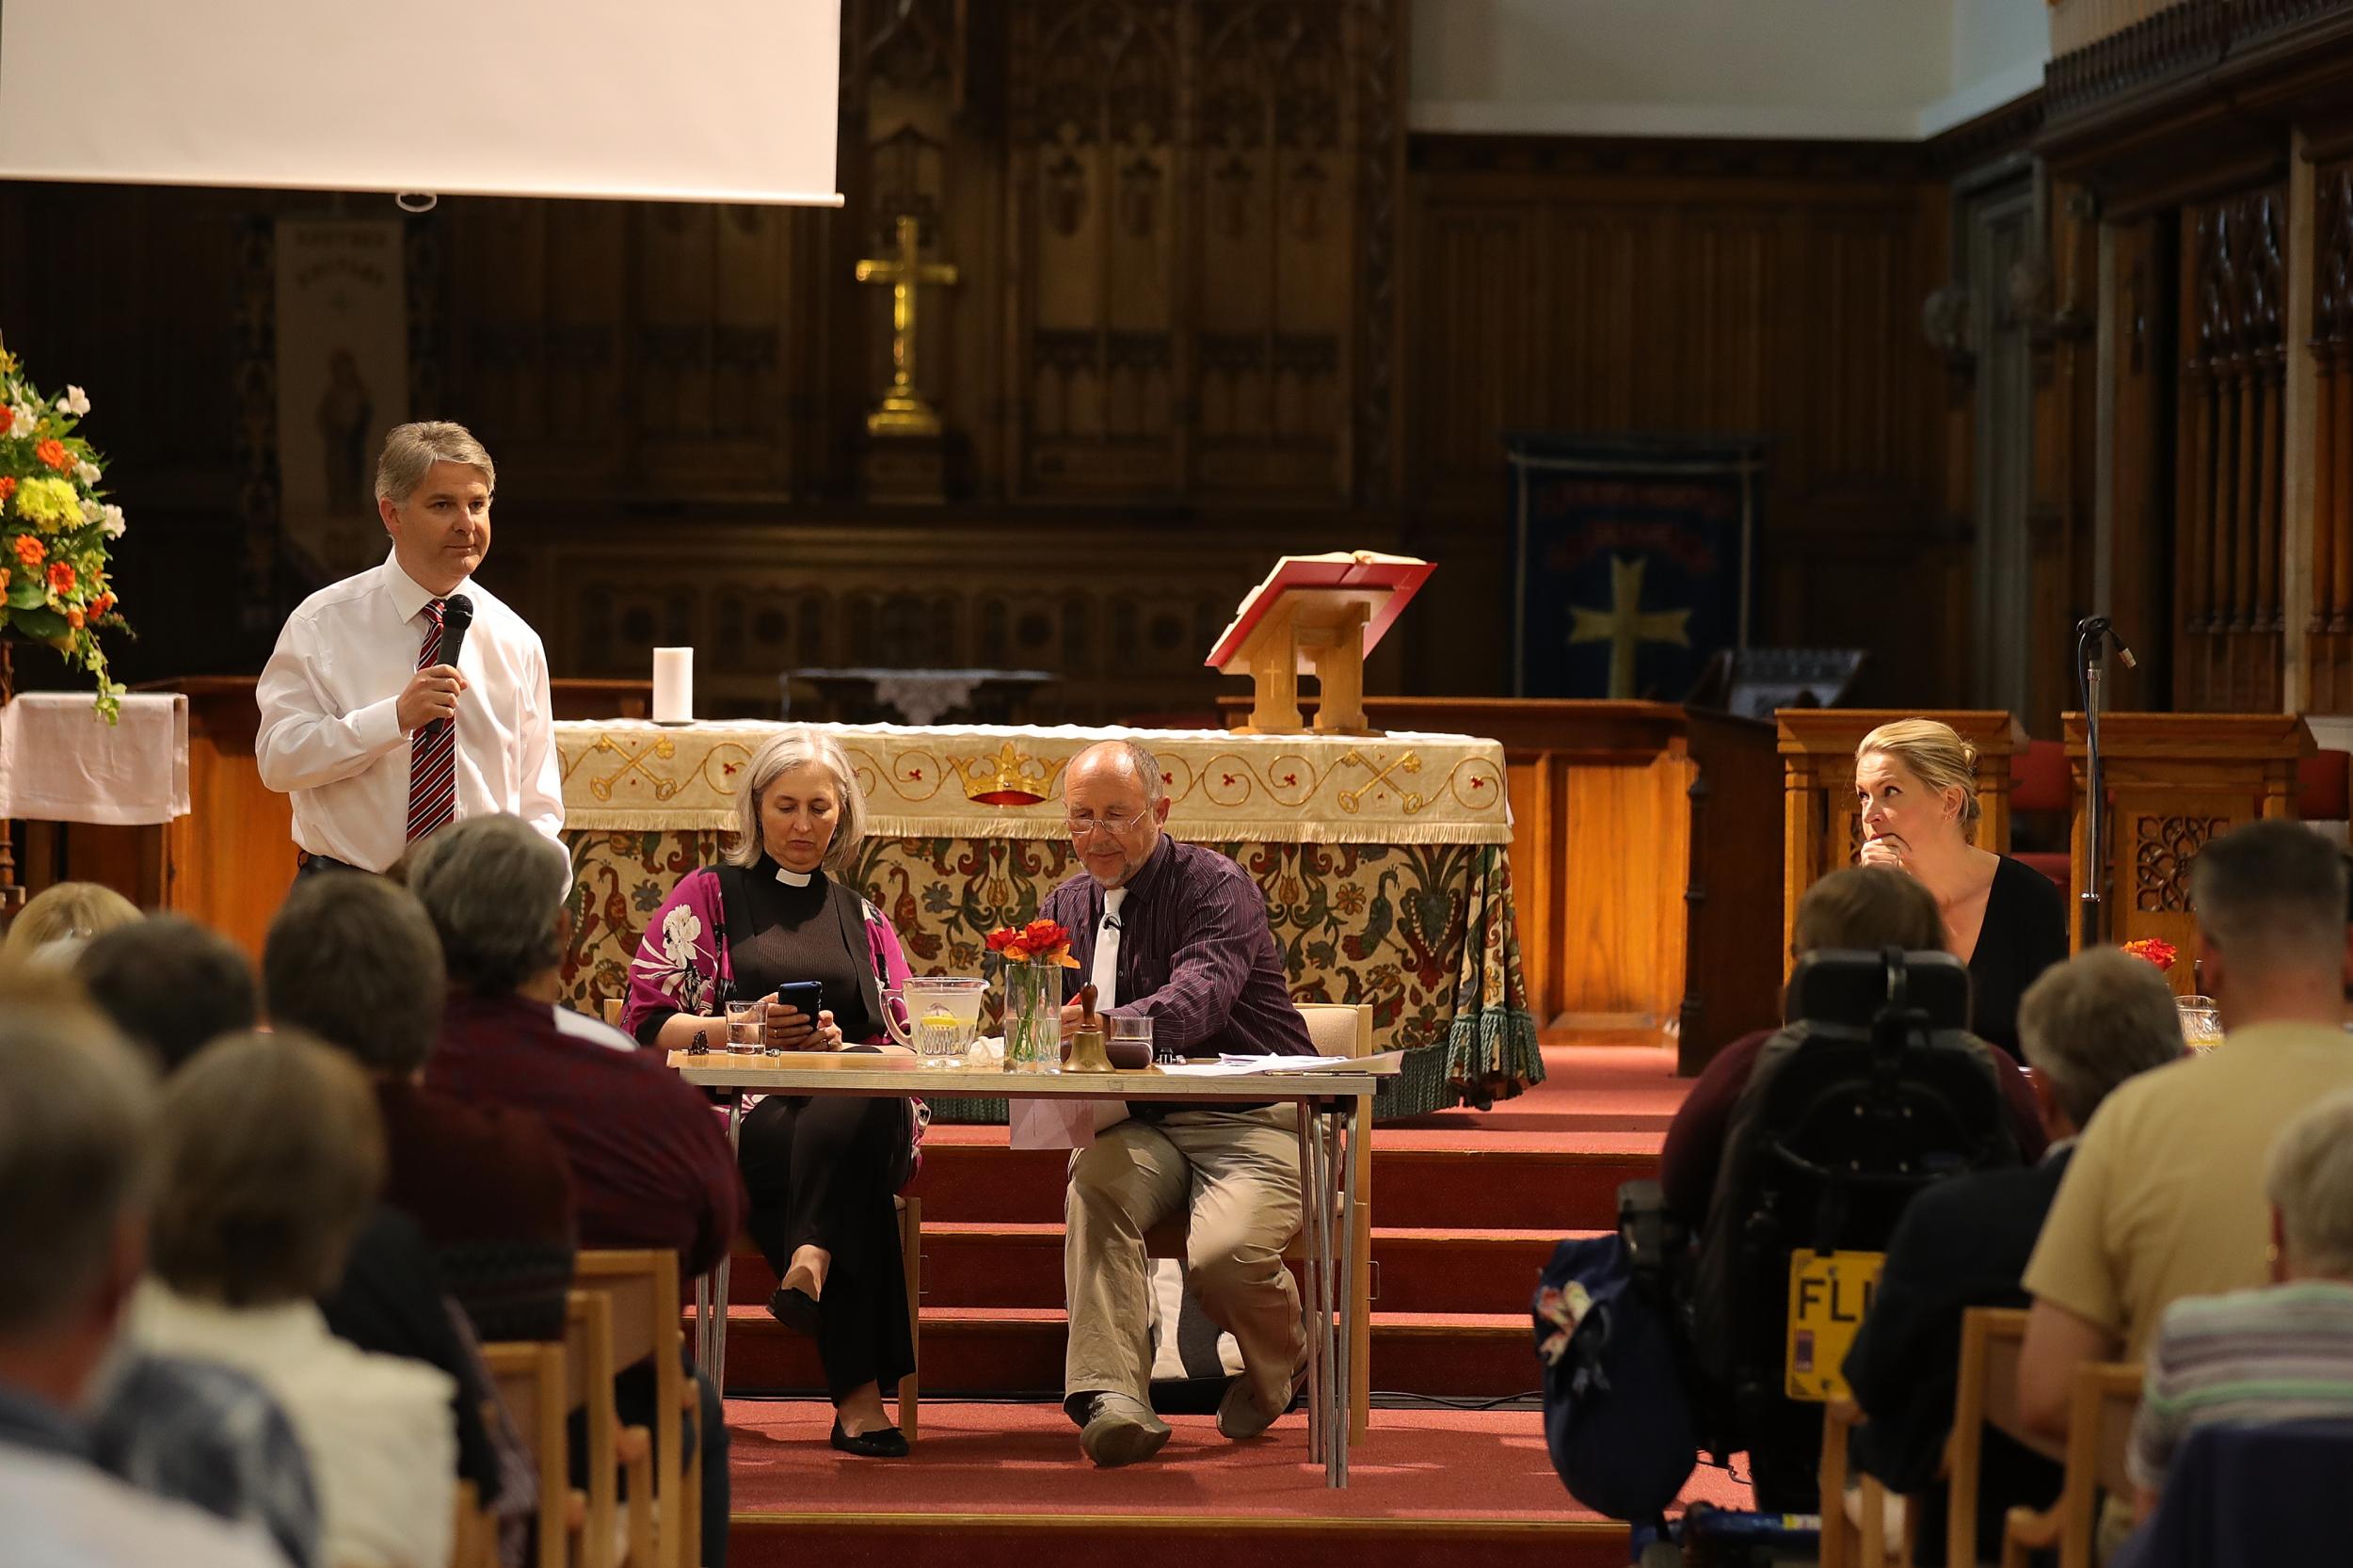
(882, 1443)
(795, 1309)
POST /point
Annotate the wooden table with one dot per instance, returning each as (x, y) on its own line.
(1337, 1104)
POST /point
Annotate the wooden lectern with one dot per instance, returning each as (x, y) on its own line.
(1820, 829)
(2175, 782)
(1321, 614)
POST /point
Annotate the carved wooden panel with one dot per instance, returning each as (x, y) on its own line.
(2230, 521)
(2329, 635)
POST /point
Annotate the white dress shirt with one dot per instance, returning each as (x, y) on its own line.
(379, 1431)
(62, 1513)
(330, 736)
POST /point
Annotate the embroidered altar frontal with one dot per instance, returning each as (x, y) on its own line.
(1382, 861)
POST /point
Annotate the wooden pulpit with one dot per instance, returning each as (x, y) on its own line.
(2175, 782)
(1319, 614)
(1821, 831)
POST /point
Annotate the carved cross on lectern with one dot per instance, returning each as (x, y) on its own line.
(1625, 626)
(902, 410)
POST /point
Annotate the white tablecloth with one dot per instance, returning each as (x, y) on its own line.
(59, 761)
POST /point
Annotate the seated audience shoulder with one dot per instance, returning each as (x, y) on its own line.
(209, 1435)
(63, 1512)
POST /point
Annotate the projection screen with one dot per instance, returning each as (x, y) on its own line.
(687, 101)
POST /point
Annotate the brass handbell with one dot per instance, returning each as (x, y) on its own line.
(1087, 1054)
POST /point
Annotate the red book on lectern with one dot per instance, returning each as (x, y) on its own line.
(1400, 574)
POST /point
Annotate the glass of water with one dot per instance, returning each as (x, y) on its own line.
(746, 1027)
(2202, 1025)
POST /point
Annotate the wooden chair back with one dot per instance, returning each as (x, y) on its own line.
(1863, 1542)
(2099, 1410)
(531, 1382)
(588, 1372)
(641, 1292)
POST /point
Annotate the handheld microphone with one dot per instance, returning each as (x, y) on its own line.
(457, 614)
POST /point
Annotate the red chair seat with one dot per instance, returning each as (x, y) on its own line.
(2321, 785)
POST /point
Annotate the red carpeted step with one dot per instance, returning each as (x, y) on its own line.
(1179, 1541)
(1555, 1190)
(1013, 1350)
(1440, 1270)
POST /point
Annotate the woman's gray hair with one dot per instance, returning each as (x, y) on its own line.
(496, 888)
(411, 450)
(797, 748)
(2310, 1180)
(2088, 1024)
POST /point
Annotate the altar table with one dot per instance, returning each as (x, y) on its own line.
(1331, 1102)
(1383, 861)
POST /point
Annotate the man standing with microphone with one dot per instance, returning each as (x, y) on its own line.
(403, 698)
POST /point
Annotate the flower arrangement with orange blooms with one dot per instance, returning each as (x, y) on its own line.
(56, 528)
(2153, 949)
(1047, 941)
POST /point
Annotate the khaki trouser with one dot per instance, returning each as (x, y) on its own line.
(1238, 1172)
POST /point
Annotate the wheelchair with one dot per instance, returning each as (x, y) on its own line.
(1873, 1091)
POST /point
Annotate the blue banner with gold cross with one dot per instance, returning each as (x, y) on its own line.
(1631, 560)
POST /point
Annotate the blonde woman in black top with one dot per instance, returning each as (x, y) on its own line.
(1916, 793)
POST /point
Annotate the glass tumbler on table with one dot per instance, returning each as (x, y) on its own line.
(1135, 1032)
(746, 1027)
(2202, 1025)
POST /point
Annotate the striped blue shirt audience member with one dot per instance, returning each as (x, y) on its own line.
(2281, 1353)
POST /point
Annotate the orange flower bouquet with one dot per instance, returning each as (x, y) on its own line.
(1035, 954)
(2153, 949)
(55, 527)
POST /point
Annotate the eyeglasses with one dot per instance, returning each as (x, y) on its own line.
(1080, 827)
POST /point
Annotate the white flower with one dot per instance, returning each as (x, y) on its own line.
(86, 473)
(116, 527)
(74, 402)
(21, 421)
(91, 511)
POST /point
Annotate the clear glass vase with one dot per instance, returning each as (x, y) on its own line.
(1032, 1017)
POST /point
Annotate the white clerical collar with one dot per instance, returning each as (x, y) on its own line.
(793, 878)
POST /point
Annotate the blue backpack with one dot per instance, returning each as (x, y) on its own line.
(1616, 1418)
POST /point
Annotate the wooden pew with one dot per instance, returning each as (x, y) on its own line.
(2100, 1415)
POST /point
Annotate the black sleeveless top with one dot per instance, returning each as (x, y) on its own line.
(2024, 933)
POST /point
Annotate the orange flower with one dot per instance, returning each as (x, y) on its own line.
(5, 574)
(53, 453)
(74, 619)
(8, 488)
(98, 606)
(61, 576)
(30, 550)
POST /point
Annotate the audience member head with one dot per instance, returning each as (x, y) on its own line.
(1113, 800)
(169, 984)
(2309, 1182)
(1916, 781)
(497, 890)
(270, 1157)
(801, 806)
(2272, 938)
(57, 921)
(353, 960)
(77, 1107)
(2088, 1025)
(1866, 908)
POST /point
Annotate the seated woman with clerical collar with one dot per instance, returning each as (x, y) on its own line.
(821, 1171)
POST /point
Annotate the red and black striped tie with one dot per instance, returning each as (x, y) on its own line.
(432, 752)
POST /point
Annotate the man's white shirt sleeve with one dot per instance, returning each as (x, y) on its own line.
(303, 743)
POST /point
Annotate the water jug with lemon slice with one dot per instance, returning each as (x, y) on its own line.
(943, 1014)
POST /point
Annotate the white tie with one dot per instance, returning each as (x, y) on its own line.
(1106, 971)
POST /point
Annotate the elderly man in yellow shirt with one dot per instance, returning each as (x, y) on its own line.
(2164, 1197)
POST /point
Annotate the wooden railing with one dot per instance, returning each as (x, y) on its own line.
(2077, 22)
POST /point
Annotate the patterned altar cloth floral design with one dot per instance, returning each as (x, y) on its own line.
(1403, 901)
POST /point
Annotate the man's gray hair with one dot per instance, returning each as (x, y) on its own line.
(495, 887)
(2090, 1023)
(77, 1107)
(798, 748)
(411, 450)
(353, 959)
(1146, 766)
(2271, 896)
(2311, 1180)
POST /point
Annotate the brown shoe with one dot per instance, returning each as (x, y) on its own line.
(1238, 1413)
(1121, 1429)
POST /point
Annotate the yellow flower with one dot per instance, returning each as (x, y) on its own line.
(48, 505)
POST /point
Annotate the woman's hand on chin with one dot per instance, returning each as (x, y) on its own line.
(1890, 851)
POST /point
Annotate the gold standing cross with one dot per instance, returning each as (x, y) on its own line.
(1625, 626)
(902, 410)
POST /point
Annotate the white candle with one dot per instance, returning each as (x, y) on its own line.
(673, 685)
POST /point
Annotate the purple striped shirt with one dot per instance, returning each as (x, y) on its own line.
(1196, 954)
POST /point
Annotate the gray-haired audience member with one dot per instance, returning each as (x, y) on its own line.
(76, 1111)
(171, 986)
(2163, 1196)
(2086, 1026)
(2283, 1352)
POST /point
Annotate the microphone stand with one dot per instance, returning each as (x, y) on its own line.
(2093, 634)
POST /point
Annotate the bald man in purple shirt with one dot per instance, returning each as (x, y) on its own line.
(1178, 933)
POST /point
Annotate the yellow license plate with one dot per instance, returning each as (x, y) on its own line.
(1829, 1294)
